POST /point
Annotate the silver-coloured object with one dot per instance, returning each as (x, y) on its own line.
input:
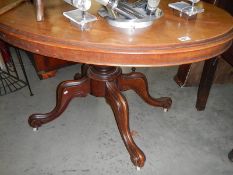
(136, 11)
(82, 5)
(121, 8)
(151, 7)
(80, 17)
(117, 13)
(34, 129)
(194, 1)
(186, 8)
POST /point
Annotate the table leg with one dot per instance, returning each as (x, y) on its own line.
(206, 82)
(84, 69)
(107, 82)
(65, 92)
(120, 108)
(138, 82)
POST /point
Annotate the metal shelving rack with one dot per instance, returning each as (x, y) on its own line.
(9, 78)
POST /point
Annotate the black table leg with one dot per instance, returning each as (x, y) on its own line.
(206, 81)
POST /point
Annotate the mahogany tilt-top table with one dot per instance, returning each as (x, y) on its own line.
(104, 49)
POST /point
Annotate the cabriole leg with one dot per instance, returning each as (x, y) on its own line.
(120, 109)
(137, 81)
(65, 92)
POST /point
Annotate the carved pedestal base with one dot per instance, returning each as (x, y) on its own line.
(107, 82)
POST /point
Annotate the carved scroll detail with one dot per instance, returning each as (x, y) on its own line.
(65, 92)
(137, 81)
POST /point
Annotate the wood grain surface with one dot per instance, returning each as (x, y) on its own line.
(10, 6)
(158, 45)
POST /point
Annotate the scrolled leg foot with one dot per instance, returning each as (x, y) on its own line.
(65, 92)
(119, 106)
(165, 103)
(137, 81)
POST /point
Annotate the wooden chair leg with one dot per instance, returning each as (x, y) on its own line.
(182, 74)
(206, 83)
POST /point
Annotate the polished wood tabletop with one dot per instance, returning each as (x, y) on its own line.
(104, 48)
(158, 45)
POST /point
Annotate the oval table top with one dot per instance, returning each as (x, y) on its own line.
(210, 34)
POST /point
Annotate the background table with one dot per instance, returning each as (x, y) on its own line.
(104, 48)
